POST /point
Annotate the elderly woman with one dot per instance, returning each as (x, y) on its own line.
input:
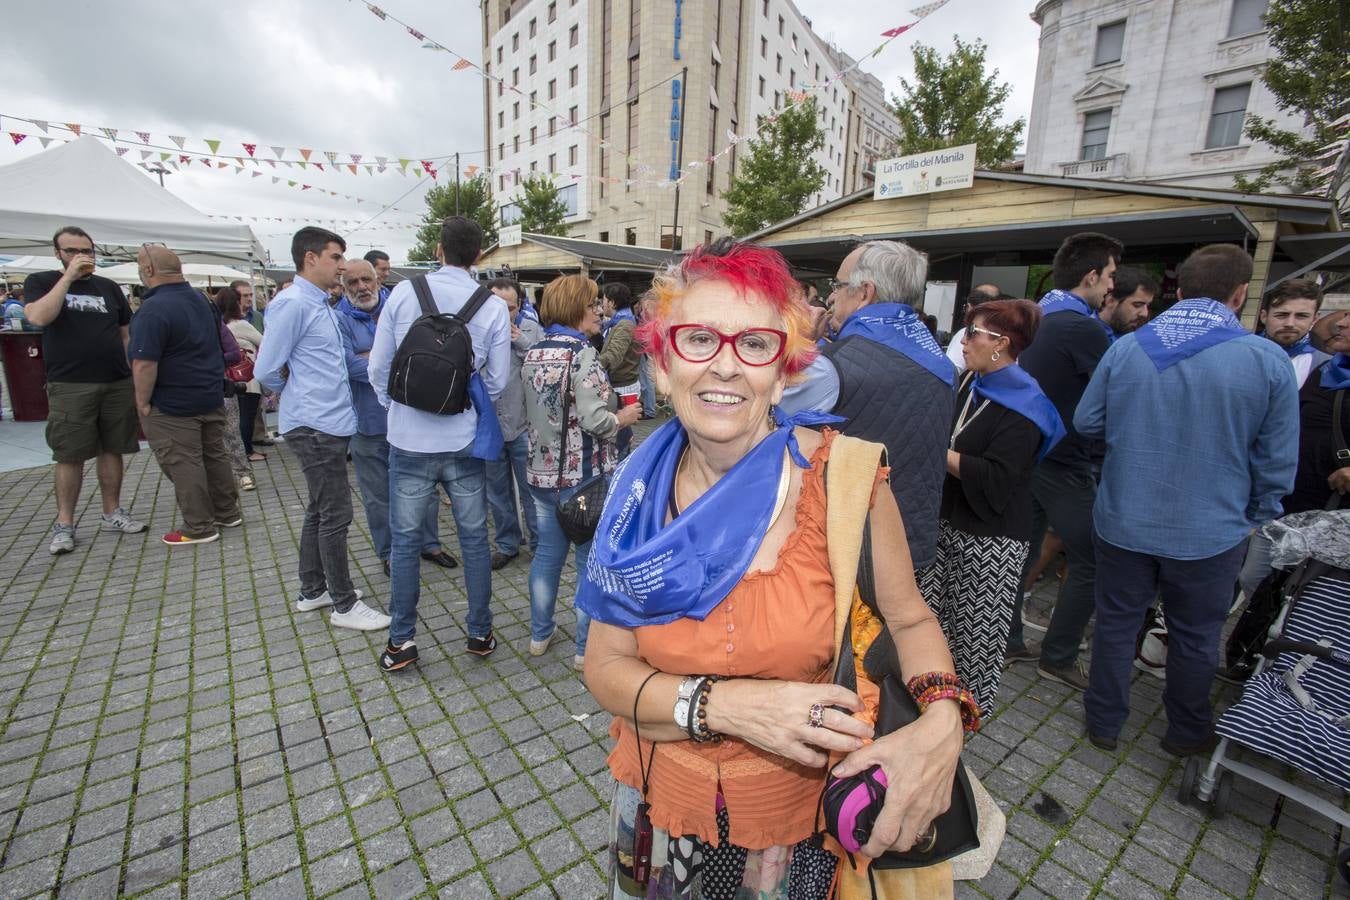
(572, 426)
(234, 443)
(1002, 427)
(249, 339)
(713, 607)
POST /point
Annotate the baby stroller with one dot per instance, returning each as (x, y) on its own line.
(1295, 707)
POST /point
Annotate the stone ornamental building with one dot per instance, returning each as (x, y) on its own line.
(614, 67)
(1150, 90)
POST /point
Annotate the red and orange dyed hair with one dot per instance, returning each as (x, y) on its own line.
(747, 269)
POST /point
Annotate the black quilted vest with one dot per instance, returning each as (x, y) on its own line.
(888, 398)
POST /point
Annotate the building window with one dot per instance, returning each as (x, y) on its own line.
(552, 11)
(633, 66)
(632, 140)
(572, 155)
(572, 77)
(572, 36)
(534, 27)
(1096, 129)
(552, 88)
(516, 144)
(761, 85)
(500, 88)
(1110, 43)
(552, 126)
(792, 78)
(671, 237)
(501, 182)
(778, 65)
(1247, 16)
(712, 152)
(515, 77)
(501, 118)
(552, 50)
(1225, 119)
(552, 163)
(777, 99)
(572, 116)
(534, 134)
(763, 48)
(604, 154)
(630, 236)
(534, 98)
(515, 110)
(780, 26)
(515, 43)
(534, 167)
(499, 56)
(501, 151)
(794, 43)
(766, 9)
(604, 237)
(534, 64)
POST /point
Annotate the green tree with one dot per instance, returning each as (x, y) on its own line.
(475, 202)
(1310, 76)
(780, 173)
(542, 211)
(954, 102)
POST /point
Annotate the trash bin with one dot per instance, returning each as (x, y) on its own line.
(26, 374)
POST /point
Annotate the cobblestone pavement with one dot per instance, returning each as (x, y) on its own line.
(173, 728)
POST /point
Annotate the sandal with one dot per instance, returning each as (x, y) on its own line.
(257, 457)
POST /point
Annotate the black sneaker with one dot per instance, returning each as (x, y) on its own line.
(482, 646)
(1204, 748)
(1071, 675)
(395, 658)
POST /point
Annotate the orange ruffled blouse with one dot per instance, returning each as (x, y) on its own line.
(776, 624)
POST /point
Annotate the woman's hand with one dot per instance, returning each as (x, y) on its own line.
(920, 762)
(772, 715)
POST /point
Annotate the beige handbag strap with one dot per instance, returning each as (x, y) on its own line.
(849, 478)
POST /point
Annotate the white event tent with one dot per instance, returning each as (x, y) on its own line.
(86, 183)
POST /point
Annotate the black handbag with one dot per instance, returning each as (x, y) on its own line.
(954, 831)
(579, 514)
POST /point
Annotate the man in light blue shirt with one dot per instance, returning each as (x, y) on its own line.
(318, 418)
(428, 449)
(1200, 419)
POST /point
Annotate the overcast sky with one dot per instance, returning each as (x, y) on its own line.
(328, 75)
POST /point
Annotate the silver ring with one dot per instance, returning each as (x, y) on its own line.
(926, 841)
(816, 716)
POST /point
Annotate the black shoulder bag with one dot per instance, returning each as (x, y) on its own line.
(579, 514)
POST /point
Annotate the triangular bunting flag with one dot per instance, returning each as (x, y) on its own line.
(381, 160)
(352, 166)
(403, 165)
(146, 154)
(178, 140)
(109, 133)
(45, 141)
(75, 127)
(238, 169)
(356, 157)
(272, 163)
(461, 65)
(184, 158)
(305, 187)
(896, 32)
(249, 148)
(40, 123)
(417, 172)
(212, 145)
(275, 180)
(121, 151)
(375, 9)
(16, 137)
(319, 166)
(163, 157)
(144, 136)
(257, 174)
(370, 168)
(927, 9)
(297, 162)
(219, 165)
(305, 152)
(290, 184)
(332, 157)
(278, 152)
(417, 34)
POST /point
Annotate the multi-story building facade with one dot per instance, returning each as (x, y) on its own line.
(874, 128)
(1152, 90)
(614, 97)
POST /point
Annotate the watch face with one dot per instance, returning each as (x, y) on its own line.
(681, 712)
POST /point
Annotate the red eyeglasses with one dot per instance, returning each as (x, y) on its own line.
(697, 343)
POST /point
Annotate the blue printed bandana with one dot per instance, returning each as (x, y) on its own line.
(526, 311)
(1064, 301)
(621, 314)
(1187, 328)
(1110, 332)
(899, 327)
(555, 329)
(1300, 347)
(1336, 373)
(1012, 387)
(643, 571)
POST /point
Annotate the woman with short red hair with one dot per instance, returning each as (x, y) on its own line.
(1004, 425)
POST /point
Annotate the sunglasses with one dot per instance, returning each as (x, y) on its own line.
(753, 346)
(975, 329)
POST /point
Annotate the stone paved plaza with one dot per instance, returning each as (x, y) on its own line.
(171, 727)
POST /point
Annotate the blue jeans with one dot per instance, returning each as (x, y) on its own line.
(546, 568)
(413, 478)
(370, 457)
(502, 500)
(1196, 595)
(647, 387)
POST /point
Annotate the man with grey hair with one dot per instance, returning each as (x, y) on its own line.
(886, 376)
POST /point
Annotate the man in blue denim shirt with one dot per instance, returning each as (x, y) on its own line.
(429, 449)
(1200, 419)
(318, 419)
(358, 311)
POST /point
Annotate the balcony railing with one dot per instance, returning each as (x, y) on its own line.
(1112, 166)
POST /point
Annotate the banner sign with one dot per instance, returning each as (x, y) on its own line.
(925, 173)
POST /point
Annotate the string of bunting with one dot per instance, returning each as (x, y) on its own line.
(252, 153)
(638, 166)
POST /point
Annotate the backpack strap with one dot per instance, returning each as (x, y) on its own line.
(474, 304)
(422, 288)
(849, 477)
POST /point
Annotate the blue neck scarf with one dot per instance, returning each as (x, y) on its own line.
(621, 314)
(347, 308)
(1336, 373)
(1012, 387)
(488, 441)
(899, 327)
(1110, 332)
(643, 571)
(555, 330)
(1300, 347)
(1187, 328)
(1062, 301)
(526, 311)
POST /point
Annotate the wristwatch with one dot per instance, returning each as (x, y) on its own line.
(682, 697)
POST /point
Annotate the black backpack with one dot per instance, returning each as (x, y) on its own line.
(432, 365)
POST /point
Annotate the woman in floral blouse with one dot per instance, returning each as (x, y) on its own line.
(569, 405)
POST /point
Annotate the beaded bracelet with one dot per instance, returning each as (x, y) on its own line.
(699, 731)
(932, 687)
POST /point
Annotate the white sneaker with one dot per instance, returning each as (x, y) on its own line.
(539, 648)
(579, 662)
(361, 618)
(305, 604)
(119, 520)
(63, 539)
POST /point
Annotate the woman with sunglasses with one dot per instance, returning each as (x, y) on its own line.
(1003, 425)
(712, 606)
(572, 426)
